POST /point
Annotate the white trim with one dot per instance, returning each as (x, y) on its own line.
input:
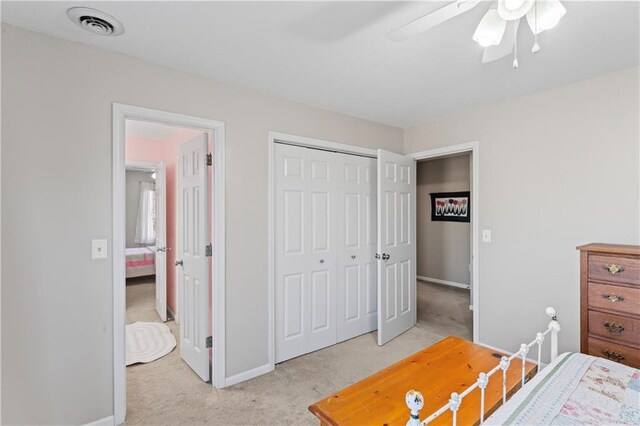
(318, 143)
(105, 421)
(120, 113)
(173, 314)
(474, 149)
(249, 374)
(136, 165)
(444, 282)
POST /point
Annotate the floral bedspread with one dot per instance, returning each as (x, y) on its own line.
(582, 390)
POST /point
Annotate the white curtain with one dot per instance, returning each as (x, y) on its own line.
(146, 222)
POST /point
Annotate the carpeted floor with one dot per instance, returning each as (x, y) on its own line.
(166, 391)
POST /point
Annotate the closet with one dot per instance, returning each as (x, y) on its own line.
(326, 239)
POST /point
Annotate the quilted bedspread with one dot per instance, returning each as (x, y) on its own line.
(578, 390)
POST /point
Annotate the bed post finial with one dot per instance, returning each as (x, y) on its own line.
(415, 402)
(554, 326)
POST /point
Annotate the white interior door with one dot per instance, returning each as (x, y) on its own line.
(305, 248)
(357, 285)
(396, 245)
(161, 241)
(192, 262)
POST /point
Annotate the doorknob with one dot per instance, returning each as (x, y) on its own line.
(353, 256)
(385, 256)
(179, 262)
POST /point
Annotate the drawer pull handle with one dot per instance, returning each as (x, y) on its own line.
(614, 297)
(614, 328)
(613, 268)
(613, 355)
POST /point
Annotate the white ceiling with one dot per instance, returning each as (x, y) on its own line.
(157, 131)
(335, 55)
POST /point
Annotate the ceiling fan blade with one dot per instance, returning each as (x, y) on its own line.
(493, 53)
(432, 19)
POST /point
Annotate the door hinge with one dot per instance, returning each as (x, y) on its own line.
(208, 250)
(209, 160)
(209, 342)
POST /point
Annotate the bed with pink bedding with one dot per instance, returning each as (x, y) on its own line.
(140, 261)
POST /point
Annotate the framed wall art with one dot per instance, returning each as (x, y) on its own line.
(451, 206)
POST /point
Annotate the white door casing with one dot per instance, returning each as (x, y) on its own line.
(357, 284)
(396, 245)
(193, 234)
(161, 241)
(305, 236)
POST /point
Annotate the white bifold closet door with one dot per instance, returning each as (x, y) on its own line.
(306, 250)
(357, 302)
(328, 210)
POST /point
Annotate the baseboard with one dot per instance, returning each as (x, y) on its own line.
(173, 314)
(106, 421)
(444, 282)
(246, 375)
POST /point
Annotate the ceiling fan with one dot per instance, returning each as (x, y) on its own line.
(498, 29)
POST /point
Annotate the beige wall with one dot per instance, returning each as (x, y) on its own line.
(56, 196)
(557, 169)
(443, 248)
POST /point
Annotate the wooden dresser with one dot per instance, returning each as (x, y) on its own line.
(610, 302)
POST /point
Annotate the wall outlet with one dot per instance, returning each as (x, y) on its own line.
(98, 249)
(486, 235)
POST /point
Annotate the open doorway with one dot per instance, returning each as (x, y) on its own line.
(443, 260)
(168, 193)
(470, 153)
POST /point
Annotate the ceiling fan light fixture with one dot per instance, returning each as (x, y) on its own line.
(549, 13)
(513, 9)
(490, 29)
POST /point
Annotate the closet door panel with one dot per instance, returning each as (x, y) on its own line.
(357, 243)
(305, 267)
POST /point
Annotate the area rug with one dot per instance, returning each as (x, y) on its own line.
(148, 341)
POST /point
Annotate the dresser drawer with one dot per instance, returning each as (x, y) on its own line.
(615, 269)
(614, 298)
(615, 327)
(614, 352)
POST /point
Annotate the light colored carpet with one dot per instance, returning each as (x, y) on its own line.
(166, 391)
(445, 310)
(148, 341)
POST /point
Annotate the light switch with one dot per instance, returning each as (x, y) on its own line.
(98, 249)
(486, 235)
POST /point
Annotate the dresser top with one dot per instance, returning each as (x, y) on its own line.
(610, 248)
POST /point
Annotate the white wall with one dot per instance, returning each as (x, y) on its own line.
(557, 169)
(132, 200)
(443, 248)
(56, 124)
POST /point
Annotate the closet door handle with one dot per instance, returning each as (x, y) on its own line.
(179, 262)
(321, 260)
(353, 256)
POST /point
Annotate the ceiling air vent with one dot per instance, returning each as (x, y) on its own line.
(95, 21)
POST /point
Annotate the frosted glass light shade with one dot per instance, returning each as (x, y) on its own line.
(549, 13)
(513, 9)
(490, 29)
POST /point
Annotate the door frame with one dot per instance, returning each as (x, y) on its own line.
(474, 149)
(120, 113)
(150, 166)
(305, 142)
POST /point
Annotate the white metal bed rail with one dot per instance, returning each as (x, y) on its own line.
(415, 401)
